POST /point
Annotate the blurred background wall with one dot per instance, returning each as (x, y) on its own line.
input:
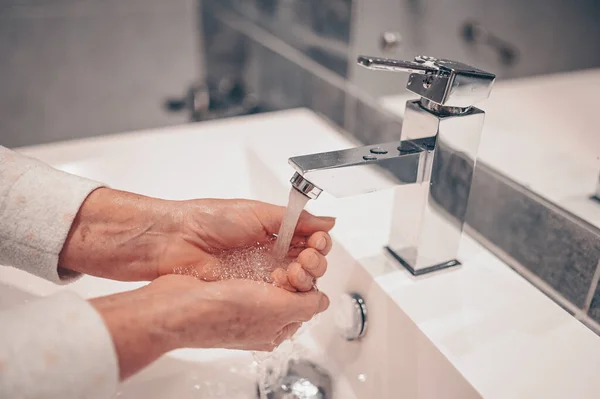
(512, 38)
(77, 68)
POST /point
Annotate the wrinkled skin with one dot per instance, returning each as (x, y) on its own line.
(129, 237)
(182, 312)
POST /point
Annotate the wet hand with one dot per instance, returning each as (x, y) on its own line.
(182, 312)
(309, 265)
(129, 237)
(211, 227)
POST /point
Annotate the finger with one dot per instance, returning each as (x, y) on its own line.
(299, 241)
(270, 347)
(299, 244)
(303, 306)
(309, 223)
(321, 241)
(299, 278)
(293, 329)
(287, 332)
(313, 262)
(271, 216)
(280, 278)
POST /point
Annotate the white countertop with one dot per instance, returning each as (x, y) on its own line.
(503, 335)
(543, 132)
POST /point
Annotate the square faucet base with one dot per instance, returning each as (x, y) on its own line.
(419, 272)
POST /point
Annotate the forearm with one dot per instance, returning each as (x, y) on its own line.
(118, 235)
(135, 325)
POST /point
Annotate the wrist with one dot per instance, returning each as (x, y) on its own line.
(135, 327)
(118, 235)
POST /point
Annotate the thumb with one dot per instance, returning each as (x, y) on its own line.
(305, 305)
(309, 223)
(271, 217)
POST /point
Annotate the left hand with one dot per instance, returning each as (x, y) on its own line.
(124, 236)
(180, 312)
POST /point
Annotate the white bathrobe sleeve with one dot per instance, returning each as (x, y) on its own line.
(55, 347)
(37, 207)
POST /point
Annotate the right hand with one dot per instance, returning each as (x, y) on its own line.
(177, 311)
(129, 237)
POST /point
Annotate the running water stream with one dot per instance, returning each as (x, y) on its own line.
(256, 262)
(296, 203)
(272, 367)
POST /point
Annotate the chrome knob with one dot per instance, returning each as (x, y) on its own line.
(390, 41)
(301, 389)
(351, 317)
(304, 380)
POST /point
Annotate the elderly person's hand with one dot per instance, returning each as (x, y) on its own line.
(182, 312)
(129, 237)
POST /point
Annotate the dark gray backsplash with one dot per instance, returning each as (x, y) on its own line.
(554, 245)
(594, 311)
(556, 249)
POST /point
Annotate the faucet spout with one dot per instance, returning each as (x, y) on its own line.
(434, 160)
(362, 169)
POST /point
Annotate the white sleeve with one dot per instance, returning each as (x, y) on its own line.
(56, 347)
(37, 207)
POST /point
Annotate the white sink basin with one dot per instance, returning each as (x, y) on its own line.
(425, 336)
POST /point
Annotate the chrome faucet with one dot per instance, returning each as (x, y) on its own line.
(434, 161)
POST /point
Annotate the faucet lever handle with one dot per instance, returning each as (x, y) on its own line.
(444, 82)
(388, 64)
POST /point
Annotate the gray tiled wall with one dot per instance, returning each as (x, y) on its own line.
(555, 247)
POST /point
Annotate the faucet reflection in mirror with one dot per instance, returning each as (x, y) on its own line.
(433, 161)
